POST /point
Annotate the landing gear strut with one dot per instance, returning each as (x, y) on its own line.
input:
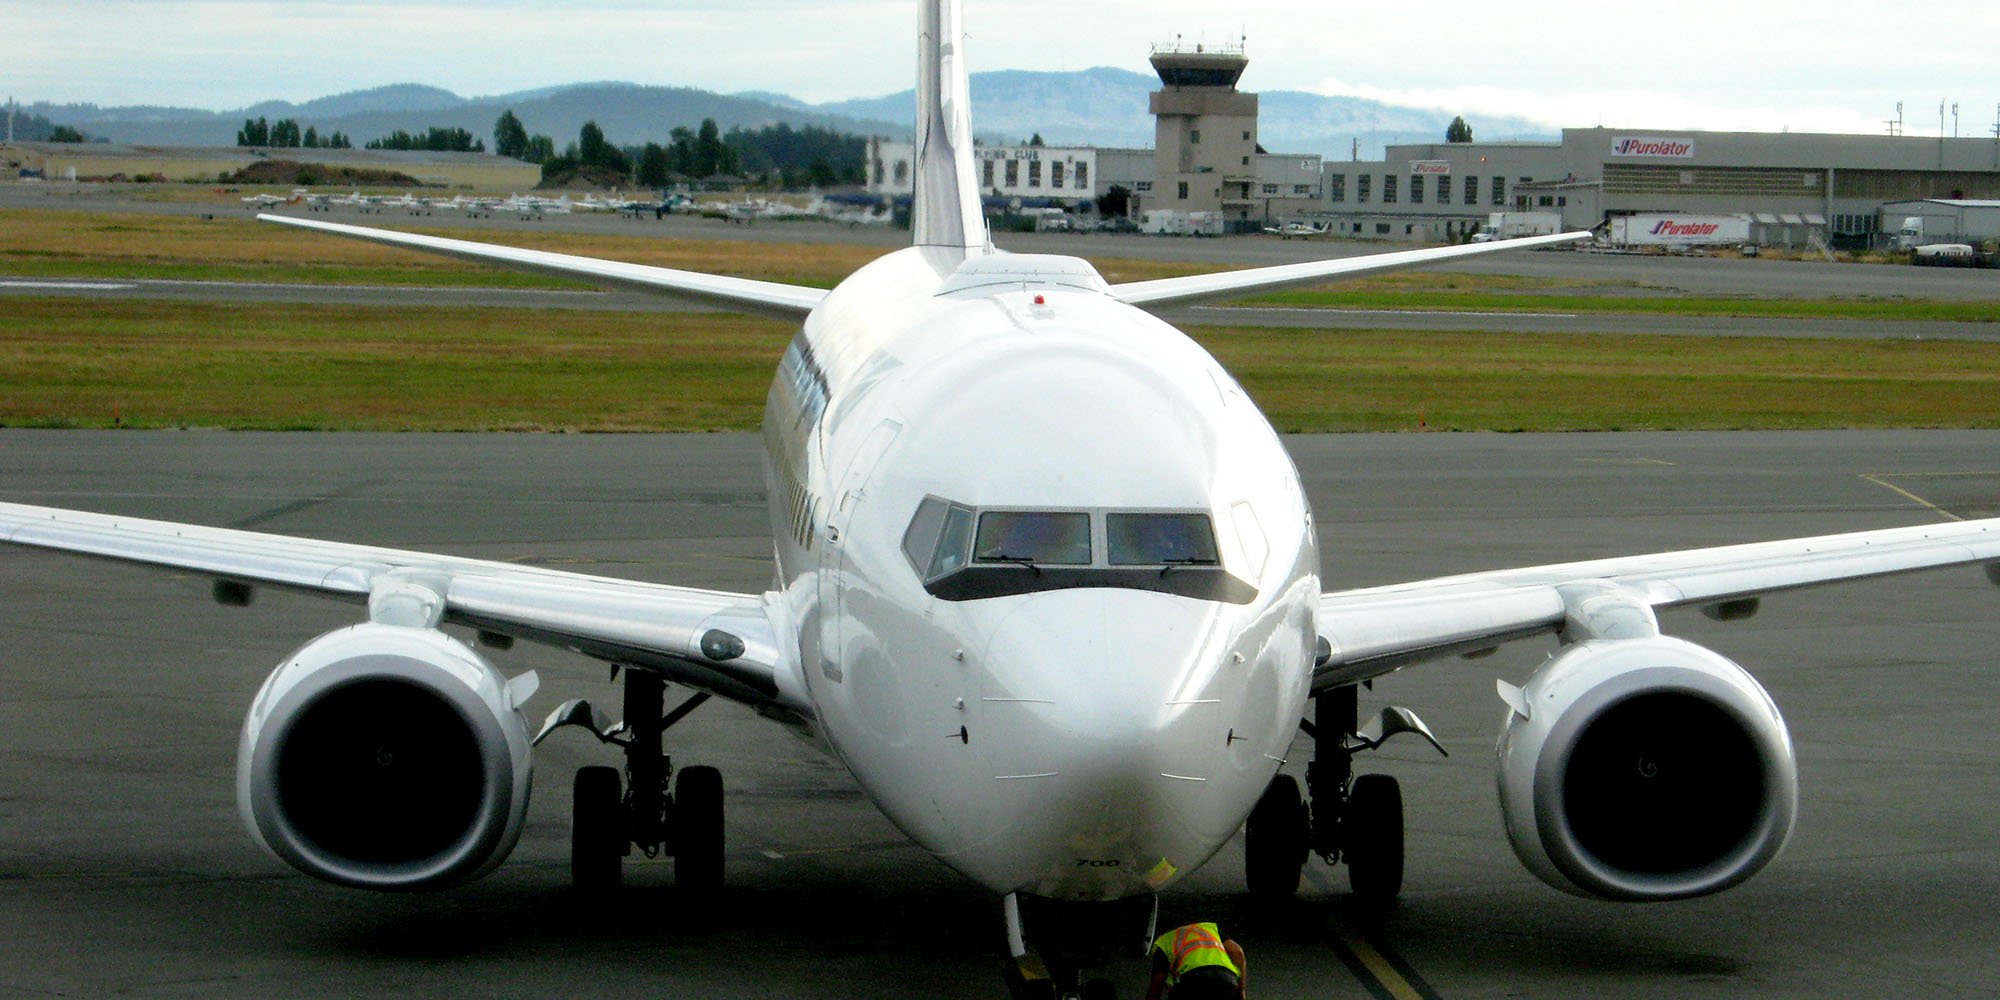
(1357, 820)
(1055, 947)
(656, 811)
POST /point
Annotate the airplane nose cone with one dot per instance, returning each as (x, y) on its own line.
(1104, 716)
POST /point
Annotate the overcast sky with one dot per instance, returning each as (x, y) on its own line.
(1743, 64)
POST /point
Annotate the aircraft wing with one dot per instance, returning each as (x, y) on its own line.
(768, 298)
(725, 643)
(1232, 284)
(1381, 629)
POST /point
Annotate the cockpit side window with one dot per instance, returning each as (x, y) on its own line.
(953, 543)
(922, 537)
(1034, 537)
(1150, 539)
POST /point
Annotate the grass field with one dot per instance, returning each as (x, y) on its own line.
(70, 362)
(129, 245)
(76, 362)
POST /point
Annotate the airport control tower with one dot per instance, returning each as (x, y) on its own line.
(1205, 131)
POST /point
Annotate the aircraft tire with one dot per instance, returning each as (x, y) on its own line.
(1372, 841)
(1274, 841)
(597, 839)
(698, 829)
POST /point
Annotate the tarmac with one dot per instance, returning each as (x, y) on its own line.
(124, 870)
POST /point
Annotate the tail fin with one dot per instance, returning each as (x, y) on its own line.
(946, 210)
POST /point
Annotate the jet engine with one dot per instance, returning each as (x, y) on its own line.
(386, 757)
(1645, 769)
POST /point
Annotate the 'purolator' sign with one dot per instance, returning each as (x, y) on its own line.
(1668, 227)
(1430, 166)
(1670, 149)
(1672, 230)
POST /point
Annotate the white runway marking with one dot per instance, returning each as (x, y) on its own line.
(95, 286)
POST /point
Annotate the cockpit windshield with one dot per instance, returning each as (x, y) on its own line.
(963, 553)
(1034, 536)
(1155, 539)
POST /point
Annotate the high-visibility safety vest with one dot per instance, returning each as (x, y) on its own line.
(1192, 947)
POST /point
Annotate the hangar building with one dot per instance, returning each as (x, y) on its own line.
(1947, 220)
(1792, 186)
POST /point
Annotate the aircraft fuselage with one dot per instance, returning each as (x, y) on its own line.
(1096, 717)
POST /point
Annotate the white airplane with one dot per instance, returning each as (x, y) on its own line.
(1047, 584)
(1301, 230)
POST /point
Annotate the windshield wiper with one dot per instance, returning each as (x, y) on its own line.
(1173, 564)
(1028, 561)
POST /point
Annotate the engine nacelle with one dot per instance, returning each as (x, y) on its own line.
(1645, 769)
(385, 757)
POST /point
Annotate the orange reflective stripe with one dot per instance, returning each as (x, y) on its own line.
(1191, 937)
(1191, 947)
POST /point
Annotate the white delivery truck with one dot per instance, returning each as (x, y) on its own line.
(1910, 235)
(1173, 222)
(1514, 225)
(1675, 231)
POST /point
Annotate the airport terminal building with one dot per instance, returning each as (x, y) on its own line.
(1793, 188)
(1797, 190)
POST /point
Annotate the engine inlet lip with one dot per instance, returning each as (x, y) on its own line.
(1761, 842)
(459, 859)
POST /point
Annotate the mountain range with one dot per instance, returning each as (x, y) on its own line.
(1102, 107)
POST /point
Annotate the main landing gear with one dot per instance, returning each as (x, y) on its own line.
(656, 810)
(1357, 820)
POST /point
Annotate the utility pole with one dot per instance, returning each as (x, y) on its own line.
(1940, 134)
(10, 120)
(1996, 137)
(1896, 124)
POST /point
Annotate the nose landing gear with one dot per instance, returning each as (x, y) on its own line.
(656, 811)
(1357, 820)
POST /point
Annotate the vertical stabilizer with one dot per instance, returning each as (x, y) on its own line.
(946, 210)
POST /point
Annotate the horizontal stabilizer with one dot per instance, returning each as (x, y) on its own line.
(767, 298)
(1233, 284)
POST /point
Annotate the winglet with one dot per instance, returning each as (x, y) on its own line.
(946, 210)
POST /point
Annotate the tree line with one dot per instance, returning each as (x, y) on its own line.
(285, 132)
(31, 127)
(774, 154)
(435, 139)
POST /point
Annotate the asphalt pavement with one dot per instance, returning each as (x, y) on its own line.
(124, 871)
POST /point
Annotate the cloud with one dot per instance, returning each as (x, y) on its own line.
(1618, 108)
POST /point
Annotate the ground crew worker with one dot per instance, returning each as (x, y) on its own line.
(1195, 962)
